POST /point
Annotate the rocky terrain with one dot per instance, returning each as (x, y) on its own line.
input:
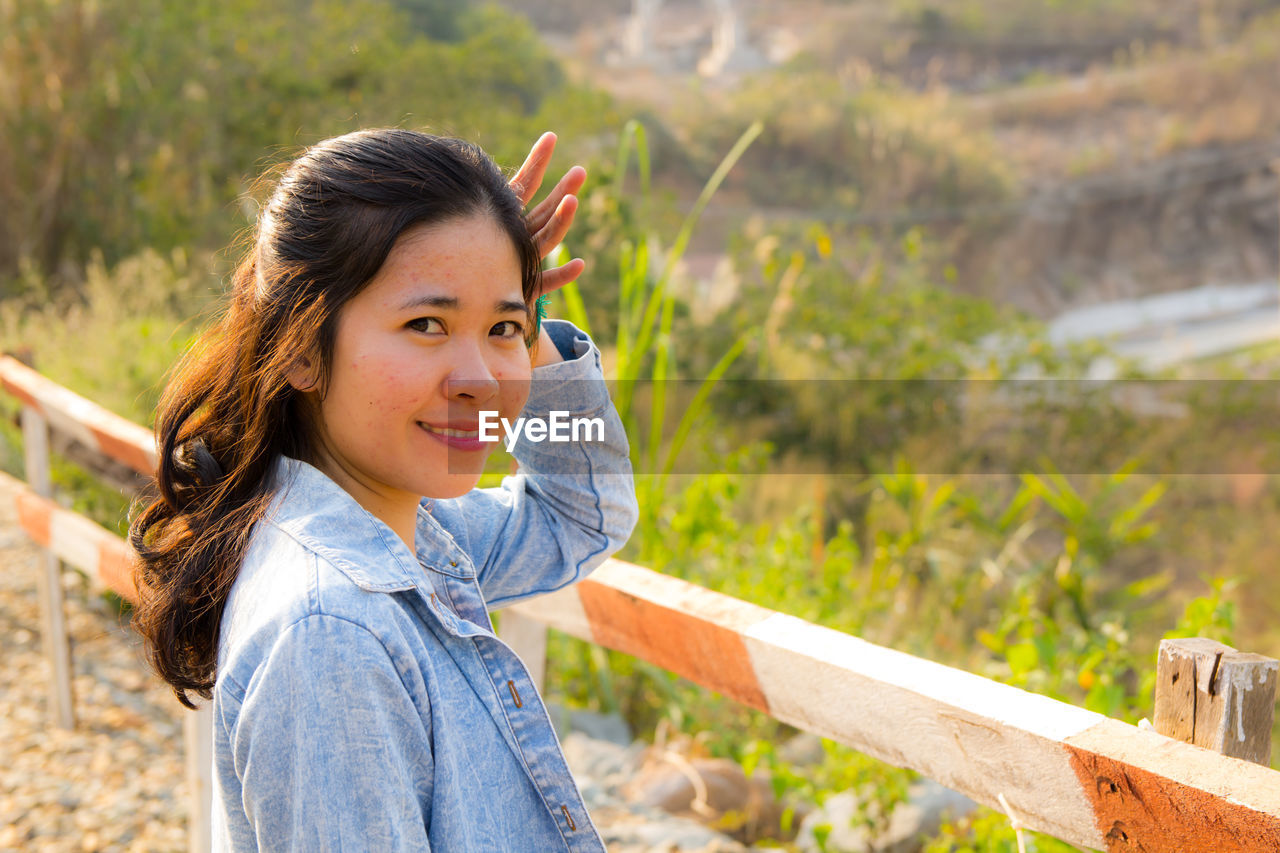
(115, 782)
(1138, 145)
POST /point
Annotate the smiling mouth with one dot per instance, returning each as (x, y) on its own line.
(450, 432)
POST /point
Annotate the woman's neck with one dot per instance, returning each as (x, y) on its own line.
(396, 509)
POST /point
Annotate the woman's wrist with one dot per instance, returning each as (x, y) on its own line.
(545, 351)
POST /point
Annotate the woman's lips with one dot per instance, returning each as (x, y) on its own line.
(455, 437)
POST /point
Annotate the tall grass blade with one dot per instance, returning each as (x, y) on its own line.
(699, 403)
(661, 297)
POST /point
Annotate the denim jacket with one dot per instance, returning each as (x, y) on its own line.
(362, 701)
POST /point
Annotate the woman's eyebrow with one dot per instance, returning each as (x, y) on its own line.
(510, 306)
(502, 306)
(430, 301)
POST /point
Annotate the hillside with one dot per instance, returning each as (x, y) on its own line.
(1064, 153)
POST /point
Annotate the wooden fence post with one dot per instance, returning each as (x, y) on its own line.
(53, 623)
(1213, 696)
(197, 730)
(526, 636)
(1275, 168)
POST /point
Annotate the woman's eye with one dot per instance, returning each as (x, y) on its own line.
(508, 329)
(424, 324)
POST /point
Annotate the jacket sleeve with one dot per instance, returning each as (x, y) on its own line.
(570, 504)
(331, 750)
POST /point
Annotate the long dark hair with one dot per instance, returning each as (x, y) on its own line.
(228, 411)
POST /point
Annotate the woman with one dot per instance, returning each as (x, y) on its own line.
(318, 561)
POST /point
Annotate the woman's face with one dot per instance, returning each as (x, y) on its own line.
(436, 337)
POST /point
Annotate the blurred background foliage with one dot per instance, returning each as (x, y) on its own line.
(142, 125)
(851, 198)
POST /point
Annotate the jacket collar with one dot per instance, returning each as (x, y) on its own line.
(321, 516)
(324, 518)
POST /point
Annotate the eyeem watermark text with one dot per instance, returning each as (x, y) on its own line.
(558, 427)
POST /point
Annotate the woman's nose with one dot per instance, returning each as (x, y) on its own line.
(471, 377)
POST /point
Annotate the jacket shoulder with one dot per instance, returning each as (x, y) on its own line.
(281, 582)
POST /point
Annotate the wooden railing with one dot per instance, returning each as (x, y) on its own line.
(1072, 773)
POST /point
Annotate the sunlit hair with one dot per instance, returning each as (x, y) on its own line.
(228, 412)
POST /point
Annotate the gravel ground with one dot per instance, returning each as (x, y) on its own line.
(115, 782)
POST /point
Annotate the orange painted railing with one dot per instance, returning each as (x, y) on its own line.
(1074, 774)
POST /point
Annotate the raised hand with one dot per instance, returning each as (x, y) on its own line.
(549, 221)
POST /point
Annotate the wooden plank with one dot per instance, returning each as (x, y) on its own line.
(679, 626)
(115, 568)
(197, 728)
(561, 610)
(53, 624)
(1175, 705)
(1154, 794)
(527, 637)
(1062, 770)
(1246, 684)
(74, 539)
(661, 619)
(35, 514)
(977, 736)
(1213, 696)
(105, 468)
(83, 420)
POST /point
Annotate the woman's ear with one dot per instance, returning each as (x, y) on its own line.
(301, 374)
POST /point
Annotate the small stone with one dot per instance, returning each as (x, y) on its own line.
(599, 760)
(713, 791)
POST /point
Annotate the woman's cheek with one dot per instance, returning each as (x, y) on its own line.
(515, 393)
(513, 386)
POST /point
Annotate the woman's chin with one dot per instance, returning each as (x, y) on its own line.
(452, 486)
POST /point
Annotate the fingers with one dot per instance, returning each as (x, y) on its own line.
(552, 233)
(529, 176)
(549, 206)
(558, 277)
(551, 219)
